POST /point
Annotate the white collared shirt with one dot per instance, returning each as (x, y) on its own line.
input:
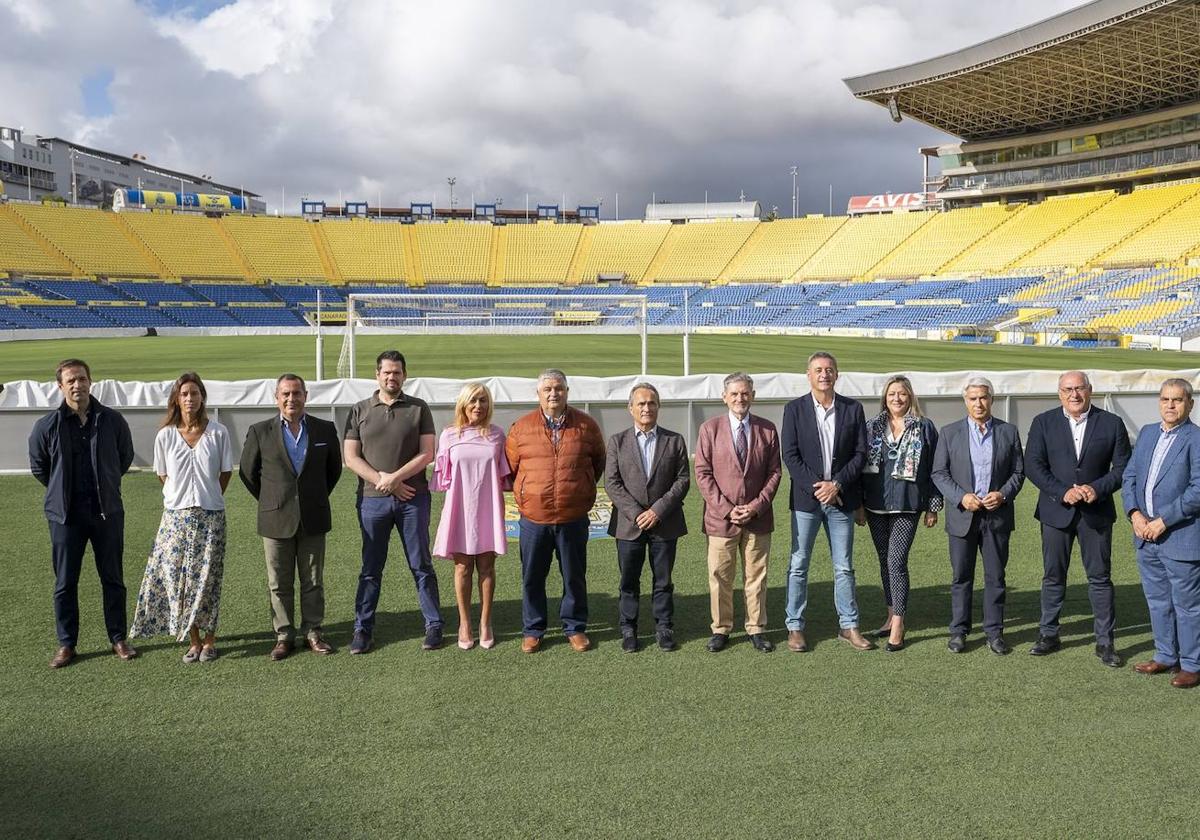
(1078, 429)
(826, 429)
(193, 473)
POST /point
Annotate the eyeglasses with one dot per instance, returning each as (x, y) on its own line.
(1082, 389)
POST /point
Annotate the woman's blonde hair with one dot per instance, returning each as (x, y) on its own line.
(914, 404)
(468, 392)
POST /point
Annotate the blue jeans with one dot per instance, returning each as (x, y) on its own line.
(377, 516)
(839, 530)
(539, 544)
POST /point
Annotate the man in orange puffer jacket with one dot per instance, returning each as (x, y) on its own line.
(557, 455)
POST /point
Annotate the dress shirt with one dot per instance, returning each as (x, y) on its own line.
(1078, 429)
(193, 472)
(826, 429)
(1156, 461)
(296, 445)
(647, 442)
(981, 455)
(734, 422)
(555, 425)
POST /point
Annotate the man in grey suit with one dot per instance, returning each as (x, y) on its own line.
(290, 464)
(647, 477)
(979, 469)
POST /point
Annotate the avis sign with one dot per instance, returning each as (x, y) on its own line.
(887, 202)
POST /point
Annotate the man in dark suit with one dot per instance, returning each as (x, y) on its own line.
(647, 475)
(1075, 456)
(291, 464)
(979, 469)
(824, 443)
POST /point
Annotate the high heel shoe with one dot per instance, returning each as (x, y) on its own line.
(489, 642)
(892, 647)
(467, 645)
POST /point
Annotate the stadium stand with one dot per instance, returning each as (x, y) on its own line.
(21, 252)
(784, 246)
(860, 244)
(624, 250)
(943, 238)
(188, 246)
(698, 252)
(368, 250)
(276, 249)
(454, 252)
(93, 240)
(538, 253)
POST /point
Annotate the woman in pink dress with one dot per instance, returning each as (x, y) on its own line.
(472, 470)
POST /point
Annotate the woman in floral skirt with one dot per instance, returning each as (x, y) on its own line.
(181, 589)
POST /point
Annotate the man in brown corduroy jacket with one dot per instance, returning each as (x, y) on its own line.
(557, 455)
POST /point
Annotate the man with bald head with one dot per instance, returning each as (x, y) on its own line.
(1075, 456)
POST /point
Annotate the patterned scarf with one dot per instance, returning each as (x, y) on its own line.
(907, 451)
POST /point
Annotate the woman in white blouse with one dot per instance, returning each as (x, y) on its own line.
(181, 590)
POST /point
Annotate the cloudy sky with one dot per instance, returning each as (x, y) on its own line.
(369, 98)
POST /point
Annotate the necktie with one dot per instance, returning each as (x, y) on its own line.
(646, 454)
(739, 444)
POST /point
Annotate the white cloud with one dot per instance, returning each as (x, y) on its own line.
(540, 97)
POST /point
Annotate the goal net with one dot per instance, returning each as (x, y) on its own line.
(552, 313)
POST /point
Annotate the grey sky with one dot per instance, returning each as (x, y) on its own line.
(369, 98)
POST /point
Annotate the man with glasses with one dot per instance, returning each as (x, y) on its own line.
(1075, 456)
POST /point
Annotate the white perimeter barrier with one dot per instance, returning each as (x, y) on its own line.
(686, 400)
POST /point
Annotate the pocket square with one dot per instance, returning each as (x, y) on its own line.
(320, 444)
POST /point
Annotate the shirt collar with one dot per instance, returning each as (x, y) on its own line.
(550, 421)
(987, 426)
(734, 422)
(303, 420)
(67, 411)
(403, 397)
(821, 408)
(1169, 431)
(1082, 417)
(652, 433)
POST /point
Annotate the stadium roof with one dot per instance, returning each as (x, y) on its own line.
(1103, 60)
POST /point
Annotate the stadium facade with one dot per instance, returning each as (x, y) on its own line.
(38, 168)
(1104, 96)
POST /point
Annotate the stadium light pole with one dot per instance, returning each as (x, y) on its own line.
(74, 181)
(451, 182)
(795, 195)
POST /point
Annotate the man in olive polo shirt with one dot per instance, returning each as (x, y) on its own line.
(389, 441)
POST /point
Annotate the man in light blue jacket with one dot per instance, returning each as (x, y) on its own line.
(1162, 500)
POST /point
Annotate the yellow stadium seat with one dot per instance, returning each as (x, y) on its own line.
(539, 253)
(91, 239)
(860, 244)
(702, 250)
(944, 238)
(367, 250)
(188, 244)
(20, 253)
(621, 248)
(784, 246)
(453, 252)
(1165, 239)
(276, 249)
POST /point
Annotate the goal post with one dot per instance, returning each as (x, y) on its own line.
(554, 313)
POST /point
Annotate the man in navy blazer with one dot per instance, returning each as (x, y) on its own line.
(979, 469)
(1075, 456)
(1162, 499)
(824, 445)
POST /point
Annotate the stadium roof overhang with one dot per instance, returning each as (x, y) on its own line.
(1101, 61)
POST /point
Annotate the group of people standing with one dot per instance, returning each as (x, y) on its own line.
(891, 473)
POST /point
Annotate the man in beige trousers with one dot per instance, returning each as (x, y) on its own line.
(738, 471)
(290, 464)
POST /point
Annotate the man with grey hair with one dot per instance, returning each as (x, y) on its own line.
(979, 469)
(647, 477)
(556, 454)
(738, 471)
(1075, 456)
(1162, 499)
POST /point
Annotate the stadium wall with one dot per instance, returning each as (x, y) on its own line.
(687, 401)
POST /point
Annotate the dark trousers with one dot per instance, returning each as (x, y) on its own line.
(67, 545)
(1095, 546)
(631, 557)
(377, 516)
(993, 545)
(539, 545)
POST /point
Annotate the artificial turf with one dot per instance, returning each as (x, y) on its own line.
(461, 357)
(405, 743)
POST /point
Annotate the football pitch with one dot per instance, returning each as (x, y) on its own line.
(461, 357)
(448, 743)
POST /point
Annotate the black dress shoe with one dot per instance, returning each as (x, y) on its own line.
(892, 647)
(957, 643)
(1109, 656)
(761, 643)
(666, 640)
(717, 642)
(998, 646)
(1045, 645)
(629, 643)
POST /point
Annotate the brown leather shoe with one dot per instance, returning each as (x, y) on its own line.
(282, 650)
(1186, 679)
(124, 650)
(64, 657)
(579, 642)
(1155, 667)
(531, 644)
(318, 645)
(796, 641)
(856, 639)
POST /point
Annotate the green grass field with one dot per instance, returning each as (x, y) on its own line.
(495, 743)
(255, 357)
